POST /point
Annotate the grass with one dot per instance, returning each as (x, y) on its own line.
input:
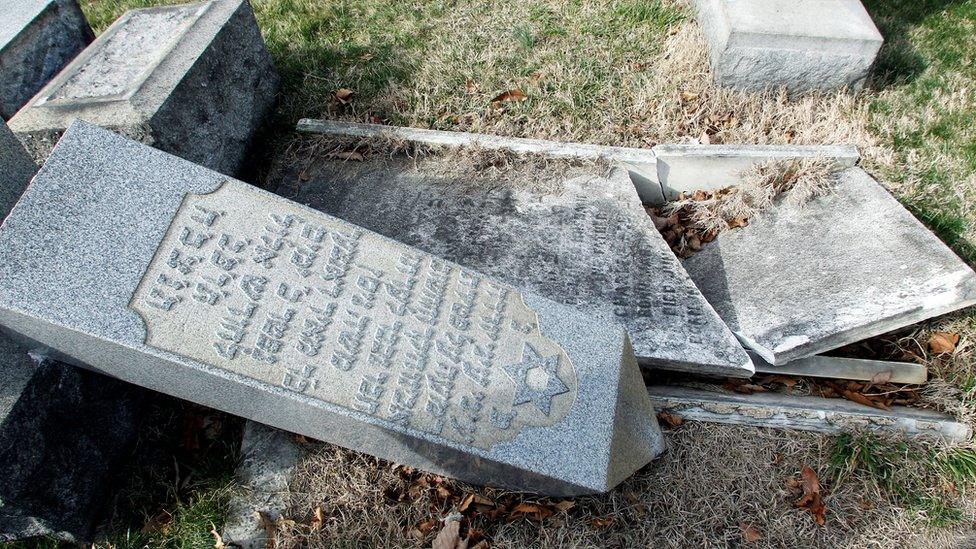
(630, 73)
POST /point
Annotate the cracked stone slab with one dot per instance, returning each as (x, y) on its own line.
(805, 413)
(37, 39)
(800, 44)
(844, 267)
(16, 169)
(205, 288)
(589, 244)
(64, 431)
(194, 80)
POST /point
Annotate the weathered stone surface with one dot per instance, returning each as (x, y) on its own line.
(63, 431)
(842, 268)
(588, 243)
(37, 39)
(269, 459)
(799, 44)
(194, 80)
(16, 170)
(205, 288)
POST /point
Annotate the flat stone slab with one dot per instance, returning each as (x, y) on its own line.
(846, 368)
(194, 80)
(37, 39)
(805, 413)
(64, 431)
(844, 267)
(580, 238)
(799, 44)
(208, 289)
(16, 170)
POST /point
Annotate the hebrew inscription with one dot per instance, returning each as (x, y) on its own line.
(260, 286)
(117, 66)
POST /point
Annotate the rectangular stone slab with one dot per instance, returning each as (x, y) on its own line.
(37, 39)
(844, 267)
(16, 169)
(799, 44)
(179, 279)
(194, 80)
(845, 368)
(581, 237)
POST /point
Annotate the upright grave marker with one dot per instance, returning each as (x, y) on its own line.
(194, 80)
(208, 289)
(37, 39)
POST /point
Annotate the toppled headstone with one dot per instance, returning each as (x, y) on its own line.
(63, 432)
(800, 44)
(37, 39)
(798, 281)
(208, 289)
(16, 170)
(194, 80)
(573, 234)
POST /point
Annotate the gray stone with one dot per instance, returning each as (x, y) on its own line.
(805, 413)
(208, 289)
(194, 80)
(582, 239)
(37, 39)
(641, 164)
(16, 170)
(844, 267)
(688, 168)
(269, 459)
(63, 433)
(799, 44)
(846, 368)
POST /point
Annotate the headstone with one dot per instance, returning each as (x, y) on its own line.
(850, 265)
(581, 238)
(799, 44)
(37, 39)
(16, 170)
(194, 80)
(63, 432)
(208, 289)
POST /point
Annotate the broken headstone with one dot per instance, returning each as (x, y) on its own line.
(194, 80)
(206, 288)
(16, 170)
(798, 281)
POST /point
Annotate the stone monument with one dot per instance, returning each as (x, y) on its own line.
(16, 170)
(799, 44)
(208, 289)
(37, 39)
(194, 80)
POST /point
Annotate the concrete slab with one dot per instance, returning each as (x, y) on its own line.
(845, 368)
(194, 80)
(581, 237)
(208, 289)
(37, 39)
(844, 267)
(798, 44)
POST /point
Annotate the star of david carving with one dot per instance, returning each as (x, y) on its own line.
(542, 398)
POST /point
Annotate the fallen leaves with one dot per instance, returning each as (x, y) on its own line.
(449, 537)
(750, 534)
(344, 96)
(943, 342)
(669, 419)
(515, 95)
(218, 540)
(811, 499)
(681, 223)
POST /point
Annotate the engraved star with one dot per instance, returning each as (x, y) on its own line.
(542, 398)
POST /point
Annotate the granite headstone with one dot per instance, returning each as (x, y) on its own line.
(581, 237)
(16, 170)
(37, 39)
(194, 80)
(182, 280)
(850, 265)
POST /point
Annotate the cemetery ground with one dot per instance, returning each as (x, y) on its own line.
(629, 73)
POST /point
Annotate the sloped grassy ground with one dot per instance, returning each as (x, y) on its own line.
(624, 72)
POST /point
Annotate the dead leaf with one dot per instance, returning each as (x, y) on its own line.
(738, 222)
(688, 96)
(669, 419)
(704, 139)
(943, 342)
(862, 399)
(565, 505)
(300, 439)
(750, 534)
(317, 518)
(344, 96)
(601, 522)
(515, 95)
(778, 458)
(449, 537)
(218, 541)
(530, 510)
(811, 500)
(470, 86)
